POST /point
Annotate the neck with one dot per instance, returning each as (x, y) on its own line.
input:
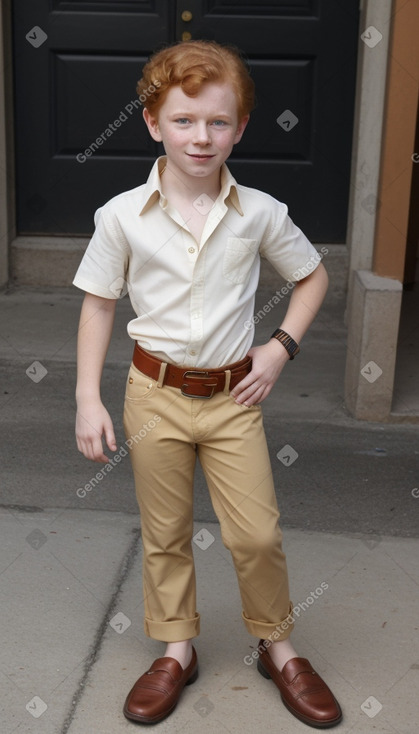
(189, 187)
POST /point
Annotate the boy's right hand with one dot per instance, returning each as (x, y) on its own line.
(92, 422)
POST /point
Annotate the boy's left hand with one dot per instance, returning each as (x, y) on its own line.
(268, 362)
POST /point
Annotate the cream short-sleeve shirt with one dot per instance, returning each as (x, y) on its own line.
(193, 301)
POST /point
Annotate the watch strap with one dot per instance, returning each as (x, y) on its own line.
(287, 341)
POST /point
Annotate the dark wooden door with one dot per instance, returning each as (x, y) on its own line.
(80, 138)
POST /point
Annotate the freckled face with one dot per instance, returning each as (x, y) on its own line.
(198, 133)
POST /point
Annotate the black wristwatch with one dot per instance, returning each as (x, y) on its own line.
(287, 341)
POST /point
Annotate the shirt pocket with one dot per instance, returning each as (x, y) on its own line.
(139, 387)
(239, 256)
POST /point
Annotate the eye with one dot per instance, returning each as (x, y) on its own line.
(219, 123)
(182, 120)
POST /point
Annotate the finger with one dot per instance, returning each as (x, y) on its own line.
(110, 438)
(243, 384)
(102, 459)
(251, 395)
(257, 399)
(98, 454)
(93, 450)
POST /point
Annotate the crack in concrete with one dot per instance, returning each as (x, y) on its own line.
(122, 575)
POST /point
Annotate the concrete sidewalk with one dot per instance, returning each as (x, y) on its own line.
(73, 642)
(70, 566)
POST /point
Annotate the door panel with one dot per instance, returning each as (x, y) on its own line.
(69, 91)
(302, 55)
(80, 136)
(76, 80)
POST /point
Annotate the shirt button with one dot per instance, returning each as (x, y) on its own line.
(191, 250)
(192, 351)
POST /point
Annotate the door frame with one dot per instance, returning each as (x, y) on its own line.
(7, 147)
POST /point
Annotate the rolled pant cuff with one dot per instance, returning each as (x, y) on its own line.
(269, 630)
(174, 631)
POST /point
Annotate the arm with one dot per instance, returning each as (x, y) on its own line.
(93, 420)
(270, 359)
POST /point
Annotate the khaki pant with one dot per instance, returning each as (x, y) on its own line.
(166, 432)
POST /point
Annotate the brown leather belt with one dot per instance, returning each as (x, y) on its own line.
(192, 382)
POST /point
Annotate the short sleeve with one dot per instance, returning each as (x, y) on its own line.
(287, 248)
(103, 268)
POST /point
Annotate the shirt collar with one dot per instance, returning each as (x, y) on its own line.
(229, 189)
(153, 191)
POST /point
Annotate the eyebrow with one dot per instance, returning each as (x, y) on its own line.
(191, 114)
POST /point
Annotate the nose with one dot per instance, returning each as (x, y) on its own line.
(201, 133)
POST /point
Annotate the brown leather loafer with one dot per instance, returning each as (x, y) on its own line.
(303, 691)
(156, 693)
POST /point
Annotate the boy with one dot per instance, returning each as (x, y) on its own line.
(187, 243)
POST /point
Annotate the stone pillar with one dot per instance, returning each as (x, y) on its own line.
(373, 324)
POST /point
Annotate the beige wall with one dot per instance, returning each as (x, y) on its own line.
(398, 142)
(387, 112)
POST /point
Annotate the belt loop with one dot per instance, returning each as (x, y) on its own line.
(227, 382)
(162, 373)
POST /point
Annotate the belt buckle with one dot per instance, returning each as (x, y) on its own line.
(202, 373)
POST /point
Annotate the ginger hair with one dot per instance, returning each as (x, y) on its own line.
(189, 64)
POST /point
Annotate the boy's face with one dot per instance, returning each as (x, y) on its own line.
(198, 133)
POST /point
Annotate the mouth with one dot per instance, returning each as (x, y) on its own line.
(199, 156)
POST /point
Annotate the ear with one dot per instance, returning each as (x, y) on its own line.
(241, 128)
(153, 125)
